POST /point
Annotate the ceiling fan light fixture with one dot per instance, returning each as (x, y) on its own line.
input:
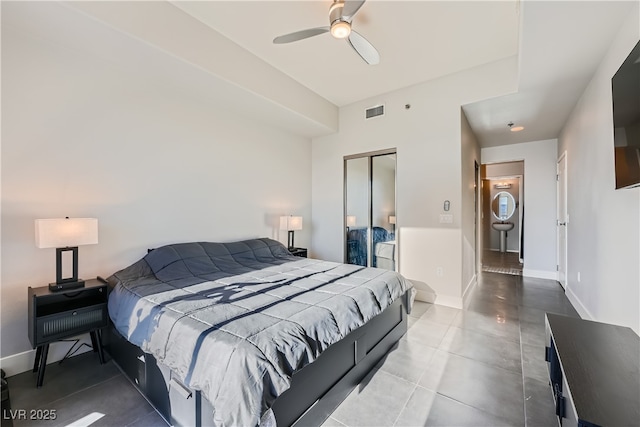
(513, 128)
(340, 29)
(341, 14)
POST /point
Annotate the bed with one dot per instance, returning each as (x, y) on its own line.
(383, 247)
(245, 334)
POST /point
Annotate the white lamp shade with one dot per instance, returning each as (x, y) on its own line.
(66, 232)
(351, 220)
(291, 223)
(392, 219)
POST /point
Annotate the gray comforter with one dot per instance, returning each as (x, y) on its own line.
(236, 320)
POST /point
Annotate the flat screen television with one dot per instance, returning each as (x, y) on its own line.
(626, 120)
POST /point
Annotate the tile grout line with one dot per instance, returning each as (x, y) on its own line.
(451, 325)
(78, 391)
(415, 385)
(153, 410)
(48, 404)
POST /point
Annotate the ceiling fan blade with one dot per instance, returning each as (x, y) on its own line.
(350, 8)
(364, 48)
(300, 35)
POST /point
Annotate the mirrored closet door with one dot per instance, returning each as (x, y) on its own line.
(370, 209)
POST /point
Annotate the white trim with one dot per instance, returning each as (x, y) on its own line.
(520, 159)
(449, 301)
(18, 363)
(565, 249)
(540, 274)
(469, 288)
(23, 362)
(423, 292)
(577, 304)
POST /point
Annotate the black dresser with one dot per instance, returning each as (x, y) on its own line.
(594, 371)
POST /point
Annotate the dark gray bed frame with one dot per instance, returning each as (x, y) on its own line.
(316, 390)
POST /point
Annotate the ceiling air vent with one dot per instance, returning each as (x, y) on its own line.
(374, 112)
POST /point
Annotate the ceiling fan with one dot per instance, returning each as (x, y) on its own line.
(341, 14)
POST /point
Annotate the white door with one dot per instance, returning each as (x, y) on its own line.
(563, 218)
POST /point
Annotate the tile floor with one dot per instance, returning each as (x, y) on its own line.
(501, 262)
(479, 366)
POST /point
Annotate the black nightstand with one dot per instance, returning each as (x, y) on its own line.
(301, 252)
(57, 315)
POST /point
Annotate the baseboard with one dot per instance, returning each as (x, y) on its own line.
(469, 288)
(449, 301)
(540, 274)
(423, 291)
(577, 304)
(23, 362)
(18, 363)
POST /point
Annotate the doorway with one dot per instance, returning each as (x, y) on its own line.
(502, 224)
(563, 218)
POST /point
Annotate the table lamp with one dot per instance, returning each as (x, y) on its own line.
(392, 221)
(291, 224)
(66, 234)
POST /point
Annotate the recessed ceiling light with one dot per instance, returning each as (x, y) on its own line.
(515, 128)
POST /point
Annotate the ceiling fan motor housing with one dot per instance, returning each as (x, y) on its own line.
(340, 26)
(335, 12)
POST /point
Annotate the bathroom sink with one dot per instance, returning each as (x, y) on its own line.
(502, 226)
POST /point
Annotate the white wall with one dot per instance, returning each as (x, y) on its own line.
(428, 141)
(383, 197)
(604, 226)
(539, 191)
(358, 191)
(383, 191)
(85, 137)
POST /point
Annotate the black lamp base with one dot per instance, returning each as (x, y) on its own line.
(54, 287)
(68, 282)
(290, 240)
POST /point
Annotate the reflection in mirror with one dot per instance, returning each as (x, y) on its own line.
(357, 210)
(503, 205)
(370, 209)
(383, 208)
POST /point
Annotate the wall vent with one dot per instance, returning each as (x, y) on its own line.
(374, 112)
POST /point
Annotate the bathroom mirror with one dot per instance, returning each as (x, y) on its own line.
(503, 205)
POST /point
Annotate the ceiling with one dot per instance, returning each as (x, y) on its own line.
(559, 45)
(417, 40)
(223, 51)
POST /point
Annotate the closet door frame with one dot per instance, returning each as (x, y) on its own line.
(369, 155)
